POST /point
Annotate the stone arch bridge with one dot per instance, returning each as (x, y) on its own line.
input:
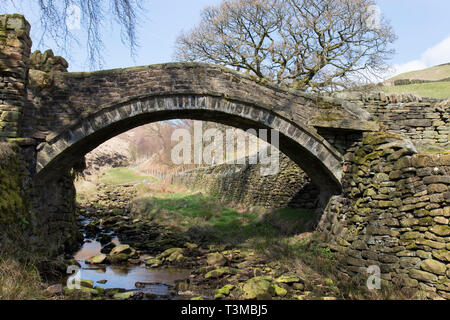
(364, 175)
(85, 109)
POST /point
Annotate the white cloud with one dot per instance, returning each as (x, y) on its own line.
(439, 54)
(409, 66)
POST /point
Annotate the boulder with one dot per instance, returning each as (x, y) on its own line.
(216, 259)
(176, 257)
(258, 288)
(169, 252)
(279, 291)
(86, 283)
(101, 258)
(217, 273)
(121, 248)
(124, 295)
(225, 290)
(107, 248)
(55, 289)
(288, 279)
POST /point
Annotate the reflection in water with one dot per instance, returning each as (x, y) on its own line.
(119, 270)
(156, 281)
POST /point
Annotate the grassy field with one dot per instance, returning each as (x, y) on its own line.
(438, 90)
(116, 176)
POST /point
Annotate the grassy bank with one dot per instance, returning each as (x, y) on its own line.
(274, 234)
(20, 281)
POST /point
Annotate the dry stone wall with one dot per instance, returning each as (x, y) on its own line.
(424, 121)
(290, 187)
(394, 213)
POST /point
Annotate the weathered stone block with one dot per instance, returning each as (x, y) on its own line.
(437, 179)
(442, 255)
(433, 266)
(418, 122)
(441, 230)
(430, 243)
(409, 262)
(422, 275)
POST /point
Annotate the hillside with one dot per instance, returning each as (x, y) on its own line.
(432, 82)
(436, 73)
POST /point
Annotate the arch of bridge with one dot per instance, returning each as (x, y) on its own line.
(311, 152)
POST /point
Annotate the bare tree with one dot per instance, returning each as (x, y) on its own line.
(306, 44)
(56, 16)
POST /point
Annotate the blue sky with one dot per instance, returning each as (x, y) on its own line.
(423, 30)
(422, 27)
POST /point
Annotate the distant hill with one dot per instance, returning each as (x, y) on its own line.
(432, 82)
(436, 73)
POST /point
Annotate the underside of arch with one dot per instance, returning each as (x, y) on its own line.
(302, 144)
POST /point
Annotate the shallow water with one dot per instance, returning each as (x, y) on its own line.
(157, 281)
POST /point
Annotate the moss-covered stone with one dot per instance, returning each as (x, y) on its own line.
(279, 291)
(258, 288)
(433, 266)
(217, 273)
(441, 230)
(225, 290)
(14, 204)
(288, 279)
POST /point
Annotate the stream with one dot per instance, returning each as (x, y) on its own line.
(154, 283)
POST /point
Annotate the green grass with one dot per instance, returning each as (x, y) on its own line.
(202, 213)
(116, 176)
(438, 90)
